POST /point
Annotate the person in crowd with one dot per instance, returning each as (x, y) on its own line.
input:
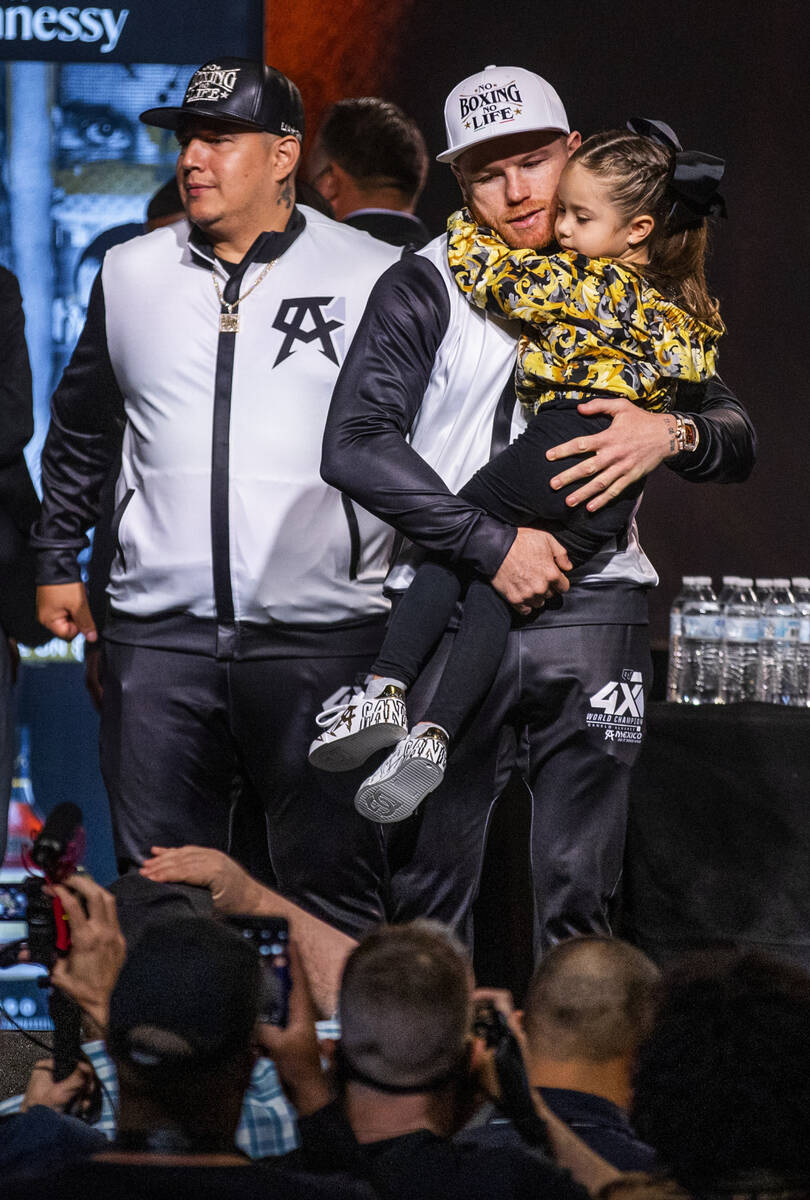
(594, 322)
(42, 1137)
(19, 507)
(721, 1087)
(424, 398)
(407, 1076)
(243, 588)
(323, 947)
(180, 1016)
(267, 1122)
(590, 1004)
(369, 161)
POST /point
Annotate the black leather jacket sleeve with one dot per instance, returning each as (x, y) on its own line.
(727, 442)
(84, 437)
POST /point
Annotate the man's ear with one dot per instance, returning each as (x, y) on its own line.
(287, 155)
(573, 142)
(329, 182)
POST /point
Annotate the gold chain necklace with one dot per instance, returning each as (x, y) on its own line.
(229, 321)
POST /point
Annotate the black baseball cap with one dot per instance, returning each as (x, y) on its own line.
(187, 995)
(240, 91)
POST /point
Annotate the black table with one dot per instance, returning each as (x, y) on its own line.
(718, 846)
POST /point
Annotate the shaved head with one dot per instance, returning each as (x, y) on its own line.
(406, 1004)
(591, 999)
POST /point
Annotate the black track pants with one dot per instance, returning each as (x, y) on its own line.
(566, 711)
(177, 728)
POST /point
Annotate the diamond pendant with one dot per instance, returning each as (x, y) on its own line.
(228, 322)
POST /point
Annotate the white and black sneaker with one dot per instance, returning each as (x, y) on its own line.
(412, 771)
(355, 730)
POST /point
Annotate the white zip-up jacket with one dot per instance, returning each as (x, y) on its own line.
(222, 520)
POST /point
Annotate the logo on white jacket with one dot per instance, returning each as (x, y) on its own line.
(618, 708)
(311, 319)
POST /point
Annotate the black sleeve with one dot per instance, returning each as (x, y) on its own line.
(727, 439)
(16, 405)
(376, 399)
(87, 414)
(328, 1141)
(18, 500)
(19, 503)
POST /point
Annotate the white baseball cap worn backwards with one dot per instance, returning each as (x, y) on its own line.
(497, 101)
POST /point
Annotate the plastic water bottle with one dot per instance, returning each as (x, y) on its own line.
(702, 623)
(801, 596)
(740, 644)
(762, 590)
(777, 676)
(675, 663)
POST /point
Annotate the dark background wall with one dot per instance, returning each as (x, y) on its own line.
(732, 79)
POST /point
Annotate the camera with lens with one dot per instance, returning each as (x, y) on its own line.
(515, 1098)
(56, 852)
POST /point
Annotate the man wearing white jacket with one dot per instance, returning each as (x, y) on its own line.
(243, 589)
(425, 398)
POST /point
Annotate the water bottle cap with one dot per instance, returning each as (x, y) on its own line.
(781, 583)
(802, 581)
(745, 581)
(764, 583)
(702, 580)
(730, 580)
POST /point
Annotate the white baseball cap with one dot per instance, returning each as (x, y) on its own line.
(497, 101)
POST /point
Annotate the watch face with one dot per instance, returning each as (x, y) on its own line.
(690, 434)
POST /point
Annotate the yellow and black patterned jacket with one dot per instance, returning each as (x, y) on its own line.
(595, 326)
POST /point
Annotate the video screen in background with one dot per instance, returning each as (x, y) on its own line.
(78, 169)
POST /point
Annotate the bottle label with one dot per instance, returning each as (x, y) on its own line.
(706, 627)
(781, 629)
(742, 629)
(804, 631)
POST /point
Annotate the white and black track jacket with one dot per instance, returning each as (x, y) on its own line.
(223, 525)
(429, 367)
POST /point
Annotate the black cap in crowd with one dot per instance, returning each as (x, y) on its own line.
(240, 91)
(187, 996)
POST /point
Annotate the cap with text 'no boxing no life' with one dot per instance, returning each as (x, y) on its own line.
(243, 93)
(498, 101)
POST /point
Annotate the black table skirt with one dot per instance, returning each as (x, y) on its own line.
(718, 846)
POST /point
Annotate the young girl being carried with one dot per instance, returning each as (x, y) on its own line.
(621, 310)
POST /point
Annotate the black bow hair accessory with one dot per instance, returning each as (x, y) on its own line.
(695, 177)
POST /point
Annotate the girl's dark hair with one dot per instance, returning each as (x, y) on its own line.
(636, 171)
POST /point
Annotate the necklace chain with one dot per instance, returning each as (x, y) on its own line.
(229, 320)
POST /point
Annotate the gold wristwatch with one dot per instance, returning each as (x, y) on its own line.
(686, 433)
